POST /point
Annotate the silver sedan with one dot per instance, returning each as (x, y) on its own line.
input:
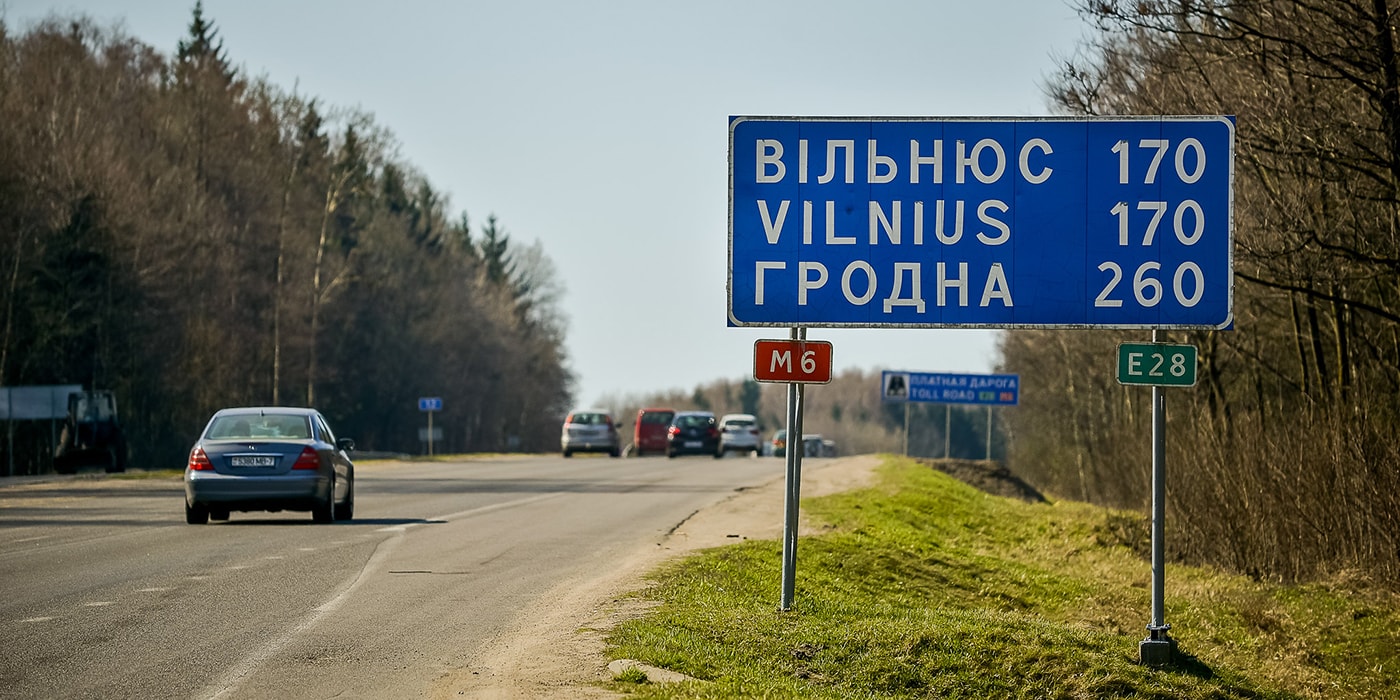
(272, 459)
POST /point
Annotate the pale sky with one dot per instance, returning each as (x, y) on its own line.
(601, 130)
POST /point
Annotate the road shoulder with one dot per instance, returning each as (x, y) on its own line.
(556, 650)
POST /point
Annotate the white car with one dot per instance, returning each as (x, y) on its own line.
(590, 430)
(738, 432)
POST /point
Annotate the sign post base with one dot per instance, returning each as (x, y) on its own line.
(1158, 649)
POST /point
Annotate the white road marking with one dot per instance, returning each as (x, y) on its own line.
(99, 603)
(230, 682)
(245, 668)
(36, 619)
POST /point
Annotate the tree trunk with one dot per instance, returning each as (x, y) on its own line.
(1303, 367)
(1324, 379)
(10, 304)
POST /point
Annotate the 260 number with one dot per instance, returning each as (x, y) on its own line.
(1147, 289)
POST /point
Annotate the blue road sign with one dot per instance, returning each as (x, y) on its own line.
(935, 387)
(430, 404)
(999, 223)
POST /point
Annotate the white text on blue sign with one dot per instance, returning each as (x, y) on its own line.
(994, 223)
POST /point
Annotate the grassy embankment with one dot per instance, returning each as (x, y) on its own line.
(925, 587)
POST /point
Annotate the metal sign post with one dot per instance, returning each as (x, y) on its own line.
(793, 455)
(430, 405)
(989, 434)
(947, 431)
(1157, 365)
(906, 428)
(796, 362)
(1157, 648)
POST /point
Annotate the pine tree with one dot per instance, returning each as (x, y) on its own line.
(495, 251)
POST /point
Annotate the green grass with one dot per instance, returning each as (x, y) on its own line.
(925, 587)
(143, 475)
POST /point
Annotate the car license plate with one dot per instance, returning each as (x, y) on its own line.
(253, 461)
(693, 443)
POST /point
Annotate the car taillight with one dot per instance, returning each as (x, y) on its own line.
(713, 432)
(308, 459)
(199, 462)
(674, 430)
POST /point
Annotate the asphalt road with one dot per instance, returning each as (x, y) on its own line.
(106, 592)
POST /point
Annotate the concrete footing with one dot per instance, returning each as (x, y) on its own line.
(1157, 651)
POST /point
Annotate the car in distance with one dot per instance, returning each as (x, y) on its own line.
(777, 444)
(693, 432)
(269, 459)
(738, 432)
(589, 430)
(649, 434)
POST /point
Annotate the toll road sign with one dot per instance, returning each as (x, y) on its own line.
(1156, 364)
(936, 387)
(792, 361)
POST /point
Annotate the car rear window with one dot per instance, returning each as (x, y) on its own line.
(588, 418)
(738, 423)
(266, 426)
(693, 421)
(657, 417)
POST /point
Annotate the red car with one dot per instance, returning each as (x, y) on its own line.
(649, 435)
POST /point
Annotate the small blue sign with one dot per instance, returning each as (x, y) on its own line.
(1117, 222)
(930, 387)
(430, 404)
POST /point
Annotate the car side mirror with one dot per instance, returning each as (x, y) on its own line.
(345, 444)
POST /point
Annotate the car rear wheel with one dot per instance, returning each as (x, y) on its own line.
(568, 453)
(218, 514)
(196, 514)
(346, 509)
(324, 512)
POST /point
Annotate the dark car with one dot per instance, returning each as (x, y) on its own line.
(589, 430)
(777, 445)
(273, 459)
(693, 432)
(649, 434)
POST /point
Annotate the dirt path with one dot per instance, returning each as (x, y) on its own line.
(557, 650)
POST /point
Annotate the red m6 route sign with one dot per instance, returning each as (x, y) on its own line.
(792, 361)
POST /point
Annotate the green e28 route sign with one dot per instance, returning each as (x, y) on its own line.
(1157, 364)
